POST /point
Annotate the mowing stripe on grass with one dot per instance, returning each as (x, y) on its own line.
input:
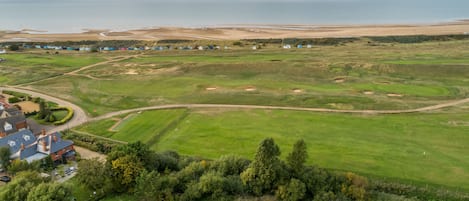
(169, 127)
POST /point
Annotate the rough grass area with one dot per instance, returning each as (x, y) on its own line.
(355, 76)
(28, 67)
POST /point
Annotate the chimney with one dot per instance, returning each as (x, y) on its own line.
(3, 134)
(22, 146)
(43, 132)
(54, 138)
(44, 145)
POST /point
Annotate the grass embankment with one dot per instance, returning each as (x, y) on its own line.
(418, 148)
(355, 76)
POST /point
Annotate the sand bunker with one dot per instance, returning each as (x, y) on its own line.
(368, 92)
(250, 89)
(131, 72)
(395, 95)
(297, 90)
(210, 88)
(339, 80)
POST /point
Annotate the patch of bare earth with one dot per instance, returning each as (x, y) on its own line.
(210, 88)
(88, 154)
(297, 91)
(131, 72)
(395, 95)
(339, 80)
(368, 92)
(28, 106)
(250, 88)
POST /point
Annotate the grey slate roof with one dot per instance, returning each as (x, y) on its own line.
(29, 151)
(14, 141)
(59, 144)
(13, 120)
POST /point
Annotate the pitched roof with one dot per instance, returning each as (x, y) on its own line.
(13, 120)
(56, 145)
(14, 141)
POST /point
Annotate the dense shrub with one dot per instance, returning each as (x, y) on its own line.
(13, 99)
(90, 142)
(66, 118)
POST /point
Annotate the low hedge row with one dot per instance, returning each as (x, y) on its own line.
(66, 118)
(90, 142)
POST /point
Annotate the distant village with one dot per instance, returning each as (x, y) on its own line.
(3, 49)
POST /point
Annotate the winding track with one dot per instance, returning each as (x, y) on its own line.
(81, 117)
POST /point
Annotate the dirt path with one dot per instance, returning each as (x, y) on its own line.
(175, 106)
(115, 59)
(81, 117)
(87, 154)
(120, 58)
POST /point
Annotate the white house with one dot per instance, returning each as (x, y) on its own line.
(3, 51)
(287, 46)
(254, 47)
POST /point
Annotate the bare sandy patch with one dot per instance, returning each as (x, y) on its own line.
(88, 154)
(250, 88)
(210, 88)
(395, 95)
(297, 91)
(28, 106)
(339, 80)
(368, 92)
(131, 72)
(163, 71)
(341, 106)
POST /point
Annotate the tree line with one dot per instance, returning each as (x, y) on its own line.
(140, 173)
(135, 170)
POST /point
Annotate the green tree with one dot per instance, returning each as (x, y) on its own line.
(125, 170)
(20, 186)
(230, 165)
(14, 47)
(153, 186)
(50, 191)
(297, 158)
(5, 157)
(20, 165)
(293, 191)
(93, 174)
(263, 173)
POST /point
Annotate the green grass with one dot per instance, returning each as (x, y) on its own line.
(60, 114)
(384, 146)
(28, 67)
(79, 191)
(390, 146)
(141, 127)
(182, 77)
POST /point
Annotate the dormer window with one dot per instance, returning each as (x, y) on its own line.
(26, 137)
(11, 143)
(7, 126)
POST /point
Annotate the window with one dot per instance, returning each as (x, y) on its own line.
(7, 127)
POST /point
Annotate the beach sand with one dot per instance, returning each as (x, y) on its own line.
(246, 32)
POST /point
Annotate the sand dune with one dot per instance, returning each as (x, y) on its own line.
(236, 32)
